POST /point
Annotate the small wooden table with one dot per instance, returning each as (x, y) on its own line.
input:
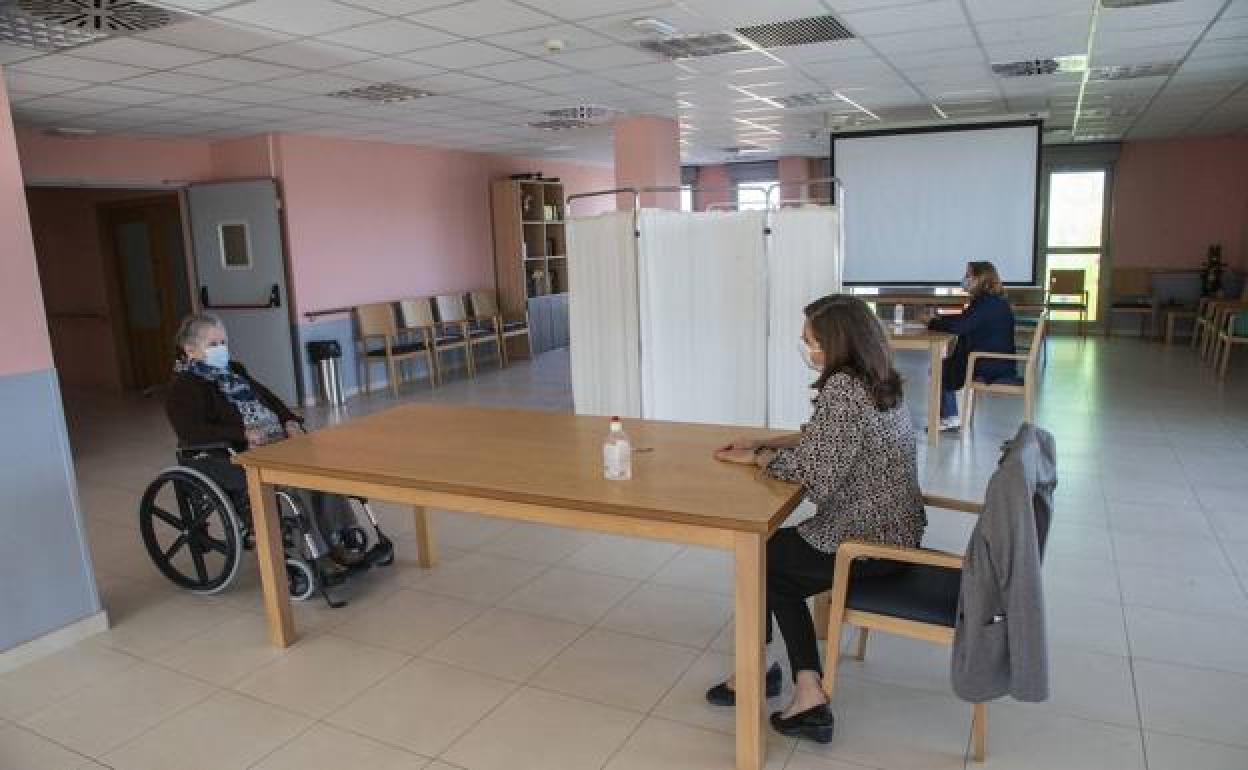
(547, 468)
(917, 337)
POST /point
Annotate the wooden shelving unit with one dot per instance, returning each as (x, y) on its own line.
(530, 257)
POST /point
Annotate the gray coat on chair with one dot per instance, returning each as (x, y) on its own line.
(999, 645)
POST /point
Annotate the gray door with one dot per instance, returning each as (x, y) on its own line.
(240, 264)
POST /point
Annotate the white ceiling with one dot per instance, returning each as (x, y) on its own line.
(241, 68)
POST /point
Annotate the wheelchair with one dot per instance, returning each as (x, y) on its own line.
(195, 533)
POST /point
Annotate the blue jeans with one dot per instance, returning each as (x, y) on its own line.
(948, 403)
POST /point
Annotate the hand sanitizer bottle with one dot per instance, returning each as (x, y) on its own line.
(617, 453)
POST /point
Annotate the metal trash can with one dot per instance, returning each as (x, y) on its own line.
(326, 354)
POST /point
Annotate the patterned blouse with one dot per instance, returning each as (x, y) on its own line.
(857, 465)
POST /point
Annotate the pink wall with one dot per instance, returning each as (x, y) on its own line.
(1173, 198)
(718, 185)
(647, 154)
(369, 221)
(21, 301)
(119, 161)
(247, 158)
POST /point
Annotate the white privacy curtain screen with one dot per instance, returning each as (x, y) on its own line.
(698, 317)
(703, 316)
(804, 264)
(603, 315)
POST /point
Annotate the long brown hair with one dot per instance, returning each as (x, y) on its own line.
(853, 342)
(987, 280)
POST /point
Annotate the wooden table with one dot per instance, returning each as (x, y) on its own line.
(918, 337)
(546, 468)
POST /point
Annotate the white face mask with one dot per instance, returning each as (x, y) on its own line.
(808, 356)
(217, 356)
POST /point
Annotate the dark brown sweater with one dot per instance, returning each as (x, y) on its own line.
(201, 414)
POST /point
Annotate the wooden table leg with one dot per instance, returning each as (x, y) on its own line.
(426, 546)
(271, 555)
(751, 571)
(933, 392)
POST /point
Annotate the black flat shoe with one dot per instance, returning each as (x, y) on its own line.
(814, 724)
(723, 695)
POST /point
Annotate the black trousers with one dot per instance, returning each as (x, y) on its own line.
(796, 570)
(324, 512)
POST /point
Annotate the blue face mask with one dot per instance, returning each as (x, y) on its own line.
(217, 356)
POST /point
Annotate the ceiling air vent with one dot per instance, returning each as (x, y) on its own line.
(104, 17)
(813, 99)
(589, 114)
(560, 124)
(814, 29)
(382, 93)
(694, 46)
(1132, 71)
(1025, 68)
(1131, 3)
(18, 29)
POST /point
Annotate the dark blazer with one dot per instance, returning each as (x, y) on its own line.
(201, 414)
(985, 326)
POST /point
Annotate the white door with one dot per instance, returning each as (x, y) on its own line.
(237, 238)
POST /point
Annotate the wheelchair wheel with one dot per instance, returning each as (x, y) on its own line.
(349, 546)
(301, 579)
(190, 530)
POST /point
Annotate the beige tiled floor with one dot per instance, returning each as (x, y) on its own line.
(530, 647)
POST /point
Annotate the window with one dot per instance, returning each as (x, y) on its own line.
(752, 196)
(1073, 236)
(686, 197)
(235, 245)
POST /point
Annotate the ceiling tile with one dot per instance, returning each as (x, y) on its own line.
(141, 53)
(887, 21)
(603, 58)
(310, 54)
(121, 94)
(386, 69)
(401, 7)
(839, 50)
(240, 70)
(469, 53)
(316, 83)
(740, 13)
(520, 71)
(199, 5)
(215, 35)
(533, 41)
(13, 53)
(926, 40)
(253, 94)
(482, 18)
(298, 17)
(70, 105)
(588, 9)
(71, 67)
(391, 36)
(202, 104)
(992, 10)
(508, 93)
(451, 82)
(620, 27)
(175, 83)
(40, 84)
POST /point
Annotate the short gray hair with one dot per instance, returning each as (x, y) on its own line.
(192, 327)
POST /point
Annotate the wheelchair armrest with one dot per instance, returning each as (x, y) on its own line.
(214, 446)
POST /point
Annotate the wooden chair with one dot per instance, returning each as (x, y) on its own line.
(484, 306)
(1028, 387)
(376, 322)
(453, 314)
(1204, 320)
(1072, 293)
(417, 317)
(1228, 337)
(1130, 293)
(921, 602)
(1215, 324)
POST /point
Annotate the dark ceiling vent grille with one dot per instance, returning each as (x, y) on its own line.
(587, 113)
(1131, 3)
(1025, 68)
(382, 93)
(1132, 71)
(560, 124)
(814, 29)
(103, 17)
(694, 46)
(19, 29)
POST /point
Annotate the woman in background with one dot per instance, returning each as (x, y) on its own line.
(855, 460)
(985, 325)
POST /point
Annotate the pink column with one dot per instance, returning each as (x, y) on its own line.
(714, 187)
(647, 154)
(21, 298)
(794, 173)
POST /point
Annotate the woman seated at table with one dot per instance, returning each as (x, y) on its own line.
(213, 400)
(855, 460)
(985, 325)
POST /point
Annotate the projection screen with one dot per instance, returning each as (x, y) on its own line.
(921, 203)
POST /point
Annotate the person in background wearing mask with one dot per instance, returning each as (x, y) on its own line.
(985, 325)
(855, 460)
(213, 400)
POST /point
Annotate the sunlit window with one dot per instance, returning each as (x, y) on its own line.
(686, 198)
(752, 196)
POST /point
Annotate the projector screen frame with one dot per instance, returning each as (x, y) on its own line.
(1038, 123)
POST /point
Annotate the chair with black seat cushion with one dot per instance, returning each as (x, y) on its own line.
(417, 314)
(376, 322)
(1131, 293)
(484, 309)
(453, 314)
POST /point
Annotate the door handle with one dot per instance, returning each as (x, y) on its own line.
(275, 300)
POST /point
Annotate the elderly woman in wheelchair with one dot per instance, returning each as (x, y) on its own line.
(195, 517)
